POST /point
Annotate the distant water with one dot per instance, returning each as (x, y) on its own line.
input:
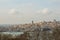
(13, 33)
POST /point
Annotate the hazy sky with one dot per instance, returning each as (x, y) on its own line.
(24, 11)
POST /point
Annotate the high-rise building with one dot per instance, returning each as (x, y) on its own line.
(32, 22)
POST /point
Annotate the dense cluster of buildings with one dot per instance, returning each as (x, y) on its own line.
(29, 27)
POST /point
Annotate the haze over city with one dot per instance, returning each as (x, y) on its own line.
(29, 19)
(24, 11)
